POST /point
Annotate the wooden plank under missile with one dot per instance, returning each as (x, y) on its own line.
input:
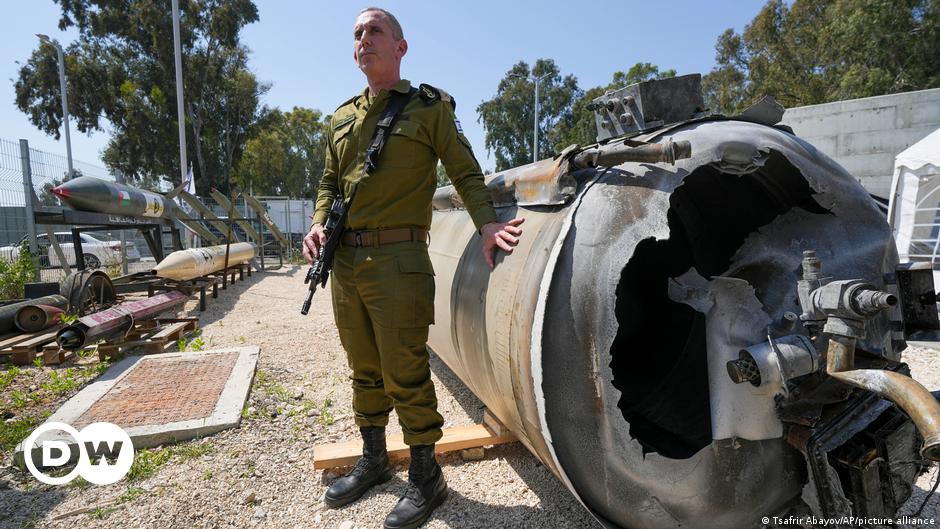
(265, 218)
(224, 202)
(207, 213)
(196, 226)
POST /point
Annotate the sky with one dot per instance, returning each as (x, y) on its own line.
(304, 50)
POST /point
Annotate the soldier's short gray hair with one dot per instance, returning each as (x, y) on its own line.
(396, 27)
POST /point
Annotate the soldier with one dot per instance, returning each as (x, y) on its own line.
(383, 281)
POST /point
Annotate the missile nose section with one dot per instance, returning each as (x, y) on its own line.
(87, 193)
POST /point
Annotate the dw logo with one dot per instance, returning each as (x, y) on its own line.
(104, 442)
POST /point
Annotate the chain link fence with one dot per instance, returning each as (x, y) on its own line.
(48, 170)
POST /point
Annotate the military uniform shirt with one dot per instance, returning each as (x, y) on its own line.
(399, 192)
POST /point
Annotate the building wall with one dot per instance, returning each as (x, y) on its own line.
(864, 135)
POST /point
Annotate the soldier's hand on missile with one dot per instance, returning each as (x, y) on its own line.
(312, 243)
(503, 235)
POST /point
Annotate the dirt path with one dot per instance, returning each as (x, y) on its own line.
(259, 475)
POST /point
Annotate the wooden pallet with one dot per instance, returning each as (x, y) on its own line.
(53, 355)
(151, 336)
(491, 432)
(24, 347)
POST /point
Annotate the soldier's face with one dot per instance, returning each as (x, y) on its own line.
(375, 50)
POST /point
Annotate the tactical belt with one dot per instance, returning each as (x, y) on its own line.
(386, 236)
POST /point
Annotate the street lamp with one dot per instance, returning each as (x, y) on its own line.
(535, 128)
(180, 116)
(65, 100)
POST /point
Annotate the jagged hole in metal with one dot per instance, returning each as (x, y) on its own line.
(659, 356)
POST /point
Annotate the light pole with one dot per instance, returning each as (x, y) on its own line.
(180, 116)
(65, 100)
(535, 126)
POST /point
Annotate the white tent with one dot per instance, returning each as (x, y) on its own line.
(914, 211)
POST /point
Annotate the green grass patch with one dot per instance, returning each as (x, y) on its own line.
(78, 483)
(101, 512)
(193, 450)
(131, 494)
(7, 377)
(12, 433)
(147, 462)
(60, 384)
(326, 416)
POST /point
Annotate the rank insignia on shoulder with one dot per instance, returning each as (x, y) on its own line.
(428, 93)
(342, 121)
(459, 128)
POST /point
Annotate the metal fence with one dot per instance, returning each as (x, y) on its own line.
(47, 170)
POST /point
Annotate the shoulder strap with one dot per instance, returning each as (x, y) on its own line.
(396, 103)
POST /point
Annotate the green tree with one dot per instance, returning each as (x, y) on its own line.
(816, 51)
(285, 155)
(581, 127)
(508, 117)
(122, 79)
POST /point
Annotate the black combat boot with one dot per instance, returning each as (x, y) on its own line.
(426, 490)
(371, 469)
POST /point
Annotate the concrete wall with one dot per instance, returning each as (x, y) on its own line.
(864, 135)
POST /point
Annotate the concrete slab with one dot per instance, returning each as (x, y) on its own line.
(164, 398)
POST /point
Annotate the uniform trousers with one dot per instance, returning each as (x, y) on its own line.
(383, 303)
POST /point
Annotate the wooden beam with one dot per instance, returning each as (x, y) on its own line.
(347, 453)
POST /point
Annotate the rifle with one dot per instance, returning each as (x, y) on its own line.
(336, 222)
(319, 272)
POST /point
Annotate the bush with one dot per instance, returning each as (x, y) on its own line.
(13, 275)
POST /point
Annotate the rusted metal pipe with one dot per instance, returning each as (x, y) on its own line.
(912, 397)
(610, 155)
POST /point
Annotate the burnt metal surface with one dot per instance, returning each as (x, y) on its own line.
(118, 319)
(907, 393)
(647, 105)
(597, 339)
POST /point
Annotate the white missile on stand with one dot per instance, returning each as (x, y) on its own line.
(188, 264)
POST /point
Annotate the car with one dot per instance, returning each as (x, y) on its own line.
(97, 252)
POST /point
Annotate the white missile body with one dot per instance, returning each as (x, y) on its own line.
(188, 264)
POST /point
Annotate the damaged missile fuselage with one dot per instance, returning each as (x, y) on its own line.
(603, 340)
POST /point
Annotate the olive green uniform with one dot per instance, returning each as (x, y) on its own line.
(383, 296)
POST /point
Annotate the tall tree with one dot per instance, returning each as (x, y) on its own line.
(285, 155)
(581, 127)
(816, 51)
(508, 118)
(122, 78)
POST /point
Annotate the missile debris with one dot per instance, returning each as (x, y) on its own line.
(32, 318)
(8, 312)
(116, 320)
(188, 264)
(87, 193)
(603, 340)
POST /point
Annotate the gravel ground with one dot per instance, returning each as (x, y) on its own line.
(260, 474)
